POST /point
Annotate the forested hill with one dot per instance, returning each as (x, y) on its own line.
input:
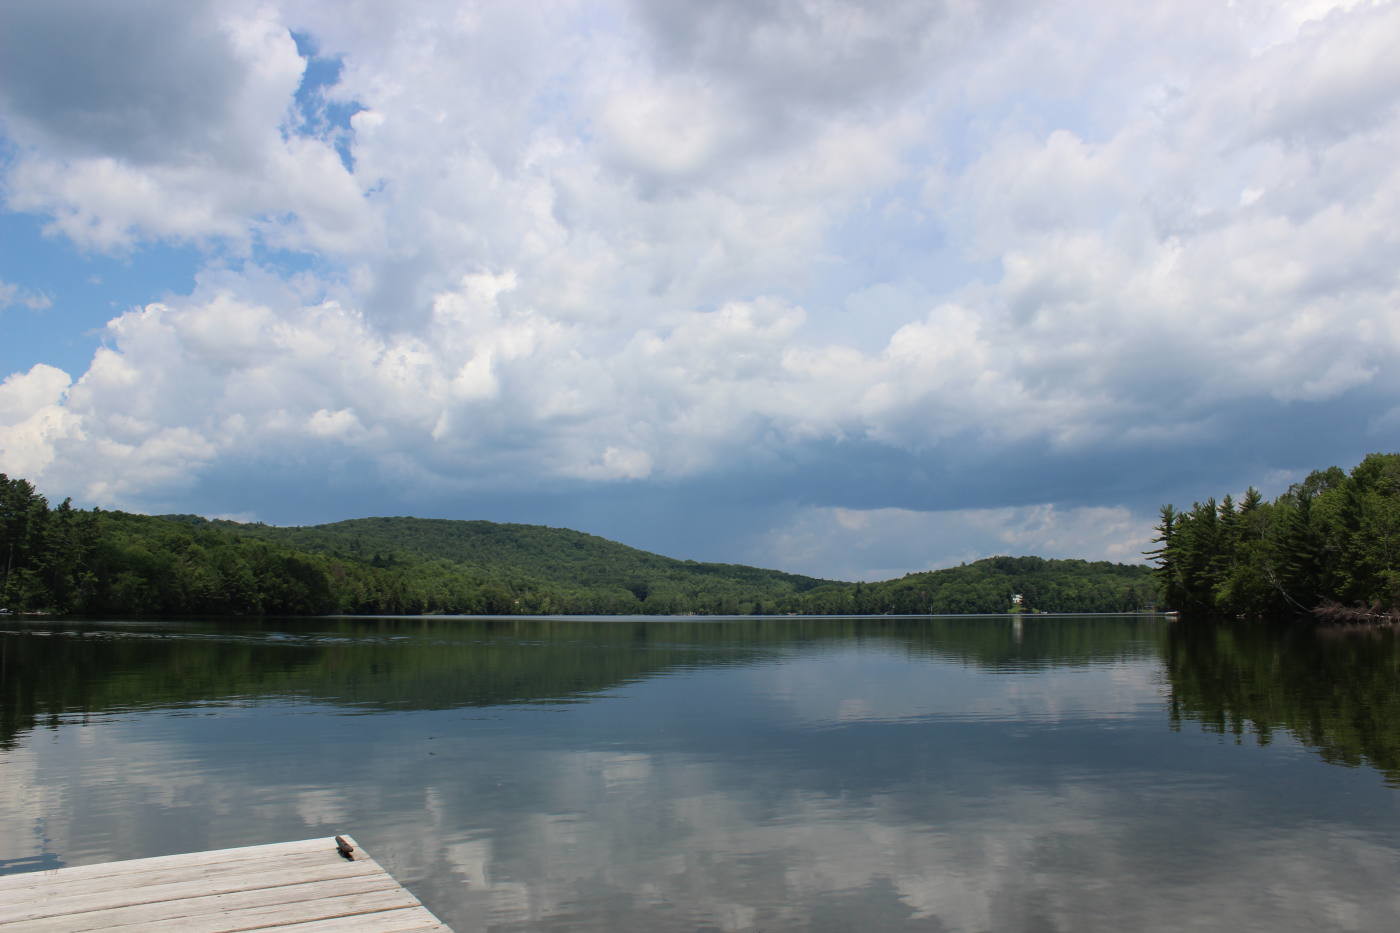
(987, 586)
(535, 554)
(531, 550)
(95, 562)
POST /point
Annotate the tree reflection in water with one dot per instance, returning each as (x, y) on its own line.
(1337, 691)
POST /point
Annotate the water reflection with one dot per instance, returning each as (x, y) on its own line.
(783, 774)
(1336, 691)
(48, 671)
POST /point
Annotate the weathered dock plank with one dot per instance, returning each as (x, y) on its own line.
(172, 882)
(306, 886)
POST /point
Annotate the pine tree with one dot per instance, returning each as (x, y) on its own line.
(1298, 563)
(1168, 572)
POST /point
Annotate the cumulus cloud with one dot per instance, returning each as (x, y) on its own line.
(867, 256)
(165, 120)
(92, 79)
(33, 419)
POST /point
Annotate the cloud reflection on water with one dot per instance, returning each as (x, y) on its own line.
(823, 786)
(842, 687)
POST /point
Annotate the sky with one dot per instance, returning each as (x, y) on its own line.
(845, 288)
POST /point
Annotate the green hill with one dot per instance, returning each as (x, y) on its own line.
(535, 550)
(97, 562)
(544, 569)
(988, 585)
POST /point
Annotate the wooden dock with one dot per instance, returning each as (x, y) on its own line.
(290, 887)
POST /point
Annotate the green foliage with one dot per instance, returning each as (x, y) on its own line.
(1332, 539)
(988, 585)
(117, 563)
(486, 567)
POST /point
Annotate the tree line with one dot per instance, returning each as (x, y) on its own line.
(98, 562)
(988, 585)
(1329, 547)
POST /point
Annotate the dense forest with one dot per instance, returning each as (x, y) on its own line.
(987, 586)
(99, 562)
(1328, 547)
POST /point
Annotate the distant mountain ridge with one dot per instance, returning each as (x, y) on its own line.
(97, 562)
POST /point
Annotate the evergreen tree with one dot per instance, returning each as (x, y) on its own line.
(1332, 539)
(23, 519)
(1168, 571)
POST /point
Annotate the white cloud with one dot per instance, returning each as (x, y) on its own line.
(664, 242)
(14, 295)
(33, 419)
(168, 121)
(323, 423)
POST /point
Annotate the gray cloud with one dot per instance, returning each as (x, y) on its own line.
(808, 56)
(147, 80)
(754, 260)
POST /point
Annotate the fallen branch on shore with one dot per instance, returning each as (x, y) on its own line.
(1331, 613)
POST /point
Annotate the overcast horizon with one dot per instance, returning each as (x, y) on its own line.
(841, 288)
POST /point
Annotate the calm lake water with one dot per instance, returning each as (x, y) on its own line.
(1104, 773)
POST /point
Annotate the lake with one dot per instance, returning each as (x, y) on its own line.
(1047, 773)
